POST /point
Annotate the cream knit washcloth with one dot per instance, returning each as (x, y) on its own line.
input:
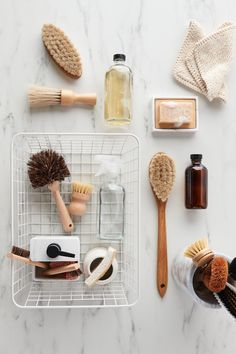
(203, 62)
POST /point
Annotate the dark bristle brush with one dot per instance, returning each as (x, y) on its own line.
(227, 298)
(22, 255)
(47, 167)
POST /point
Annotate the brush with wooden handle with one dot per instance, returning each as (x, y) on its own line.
(162, 176)
(42, 97)
(47, 167)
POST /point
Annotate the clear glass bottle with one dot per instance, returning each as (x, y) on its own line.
(196, 180)
(111, 218)
(118, 92)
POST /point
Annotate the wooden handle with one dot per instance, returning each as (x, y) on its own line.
(69, 98)
(63, 212)
(89, 99)
(162, 264)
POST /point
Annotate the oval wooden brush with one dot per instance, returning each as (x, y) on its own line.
(216, 274)
(47, 167)
(162, 177)
(80, 195)
(62, 50)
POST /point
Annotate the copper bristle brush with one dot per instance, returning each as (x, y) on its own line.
(47, 167)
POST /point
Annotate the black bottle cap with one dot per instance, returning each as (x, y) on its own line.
(119, 57)
(196, 157)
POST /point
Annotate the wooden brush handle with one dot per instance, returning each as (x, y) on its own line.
(69, 98)
(162, 264)
(62, 209)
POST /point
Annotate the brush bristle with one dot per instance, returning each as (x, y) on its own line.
(45, 167)
(192, 250)
(216, 274)
(62, 50)
(83, 188)
(43, 96)
(20, 252)
(227, 299)
(162, 175)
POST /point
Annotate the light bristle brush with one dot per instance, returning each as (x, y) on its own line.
(43, 96)
(62, 50)
(47, 167)
(80, 195)
(22, 255)
(162, 177)
(199, 252)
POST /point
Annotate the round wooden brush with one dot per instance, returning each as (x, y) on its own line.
(80, 195)
(216, 274)
(62, 50)
(162, 176)
(199, 252)
(42, 97)
(47, 167)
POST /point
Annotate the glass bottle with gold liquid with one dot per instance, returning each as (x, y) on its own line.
(118, 92)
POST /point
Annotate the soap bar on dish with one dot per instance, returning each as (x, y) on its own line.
(174, 114)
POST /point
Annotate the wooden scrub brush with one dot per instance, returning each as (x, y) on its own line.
(42, 97)
(80, 195)
(162, 176)
(47, 167)
(199, 252)
(23, 255)
(216, 274)
(62, 50)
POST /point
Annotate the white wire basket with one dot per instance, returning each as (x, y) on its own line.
(34, 214)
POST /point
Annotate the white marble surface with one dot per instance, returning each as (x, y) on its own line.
(150, 33)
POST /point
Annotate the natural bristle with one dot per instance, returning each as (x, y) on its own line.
(196, 247)
(43, 96)
(20, 252)
(216, 274)
(45, 167)
(62, 50)
(162, 175)
(83, 188)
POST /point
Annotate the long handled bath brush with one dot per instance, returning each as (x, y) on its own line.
(42, 97)
(62, 50)
(47, 167)
(162, 176)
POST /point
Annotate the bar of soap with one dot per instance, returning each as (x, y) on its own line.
(174, 114)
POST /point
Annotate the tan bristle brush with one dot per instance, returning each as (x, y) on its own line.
(80, 195)
(42, 97)
(22, 255)
(162, 177)
(62, 50)
(199, 252)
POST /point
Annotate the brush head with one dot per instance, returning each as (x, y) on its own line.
(42, 96)
(20, 252)
(46, 167)
(199, 252)
(83, 188)
(62, 50)
(161, 175)
(232, 269)
(227, 299)
(216, 274)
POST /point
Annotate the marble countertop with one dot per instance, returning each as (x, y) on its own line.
(150, 33)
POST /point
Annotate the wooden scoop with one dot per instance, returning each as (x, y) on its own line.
(162, 176)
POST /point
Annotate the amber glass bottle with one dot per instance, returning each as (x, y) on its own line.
(196, 184)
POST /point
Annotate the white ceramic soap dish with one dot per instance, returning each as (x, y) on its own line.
(189, 104)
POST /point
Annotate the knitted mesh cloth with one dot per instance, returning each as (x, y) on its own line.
(203, 61)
